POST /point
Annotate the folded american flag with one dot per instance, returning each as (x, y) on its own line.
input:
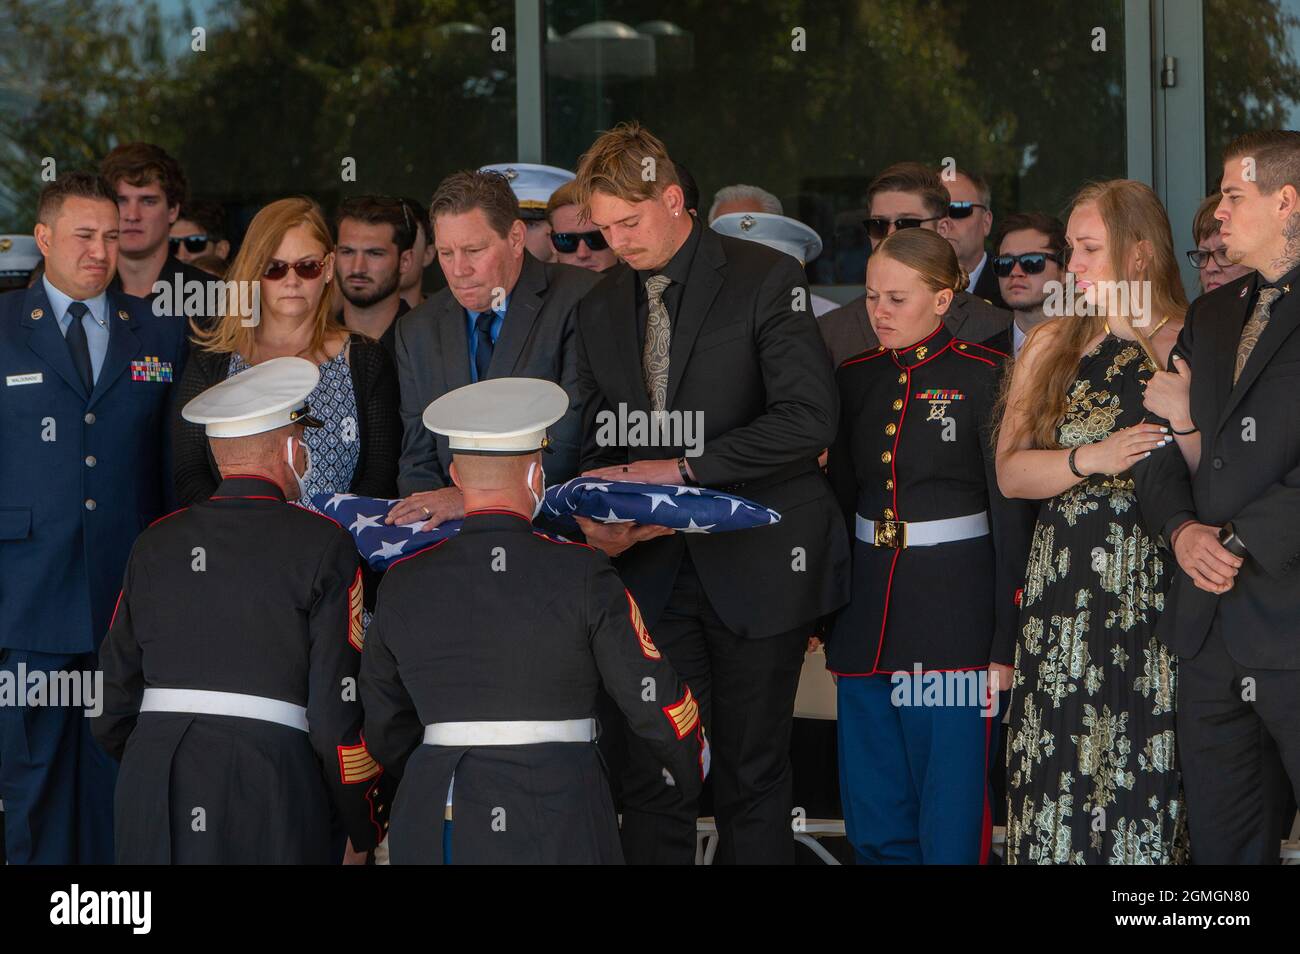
(380, 544)
(688, 509)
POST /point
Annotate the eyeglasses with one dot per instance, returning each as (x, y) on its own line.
(1199, 257)
(276, 270)
(194, 244)
(567, 242)
(963, 210)
(878, 226)
(1031, 263)
(406, 213)
(416, 217)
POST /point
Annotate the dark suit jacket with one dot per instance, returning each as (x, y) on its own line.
(536, 341)
(180, 278)
(847, 331)
(757, 374)
(1249, 474)
(988, 288)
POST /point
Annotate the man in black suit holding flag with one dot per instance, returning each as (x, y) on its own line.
(696, 323)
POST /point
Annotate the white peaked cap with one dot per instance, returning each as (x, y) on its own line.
(775, 231)
(498, 416)
(266, 396)
(18, 253)
(532, 183)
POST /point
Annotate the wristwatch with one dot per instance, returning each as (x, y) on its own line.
(1229, 540)
(682, 469)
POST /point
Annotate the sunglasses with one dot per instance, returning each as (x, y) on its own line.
(878, 226)
(567, 242)
(276, 270)
(1031, 263)
(193, 243)
(963, 210)
(1199, 257)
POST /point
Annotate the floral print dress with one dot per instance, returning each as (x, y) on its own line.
(1092, 775)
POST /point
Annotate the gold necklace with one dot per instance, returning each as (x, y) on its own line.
(1160, 324)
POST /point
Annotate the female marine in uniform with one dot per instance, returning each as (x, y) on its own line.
(937, 558)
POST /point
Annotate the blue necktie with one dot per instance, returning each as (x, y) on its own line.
(483, 348)
(79, 346)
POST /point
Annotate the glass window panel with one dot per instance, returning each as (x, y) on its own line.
(1252, 77)
(280, 96)
(1014, 90)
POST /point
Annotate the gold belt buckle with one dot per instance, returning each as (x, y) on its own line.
(891, 533)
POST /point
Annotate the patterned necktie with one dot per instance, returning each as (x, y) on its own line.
(658, 334)
(79, 346)
(483, 348)
(1254, 328)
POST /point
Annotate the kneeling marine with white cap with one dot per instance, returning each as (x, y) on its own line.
(230, 667)
(485, 655)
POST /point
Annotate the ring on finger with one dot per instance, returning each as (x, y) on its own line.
(427, 512)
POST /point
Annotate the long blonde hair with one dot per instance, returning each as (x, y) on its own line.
(229, 331)
(1132, 214)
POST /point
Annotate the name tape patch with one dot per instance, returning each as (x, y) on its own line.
(13, 380)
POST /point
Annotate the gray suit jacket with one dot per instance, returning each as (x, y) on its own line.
(536, 341)
(847, 332)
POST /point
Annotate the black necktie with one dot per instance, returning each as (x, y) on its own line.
(79, 346)
(483, 350)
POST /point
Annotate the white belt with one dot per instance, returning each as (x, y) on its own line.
(509, 733)
(921, 533)
(211, 702)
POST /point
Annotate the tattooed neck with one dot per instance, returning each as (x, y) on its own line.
(1290, 255)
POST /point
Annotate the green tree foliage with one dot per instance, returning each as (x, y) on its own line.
(412, 89)
(283, 91)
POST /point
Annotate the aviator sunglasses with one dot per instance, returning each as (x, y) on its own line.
(878, 226)
(276, 270)
(567, 242)
(963, 210)
(1031, 263)
(193, 243)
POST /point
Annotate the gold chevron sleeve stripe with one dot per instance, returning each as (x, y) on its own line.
(356, 764)
(684, 714)
(648, 648)
(356, 633)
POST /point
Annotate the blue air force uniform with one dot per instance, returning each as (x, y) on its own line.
(84, 469)
(937, 560)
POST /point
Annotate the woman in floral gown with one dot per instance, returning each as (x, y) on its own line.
(1092, 775)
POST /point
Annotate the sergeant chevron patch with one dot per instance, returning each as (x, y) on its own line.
(648, 648)
(356, 764)
(356, 632)
(684, 714)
